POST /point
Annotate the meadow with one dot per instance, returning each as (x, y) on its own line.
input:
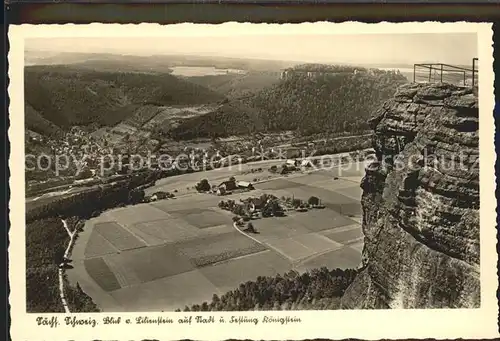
(165, 255)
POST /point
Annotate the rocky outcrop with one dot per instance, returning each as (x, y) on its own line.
(421, 203)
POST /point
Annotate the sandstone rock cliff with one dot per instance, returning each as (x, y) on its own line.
(421, 203)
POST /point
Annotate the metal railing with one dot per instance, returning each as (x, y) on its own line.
(474, 71)
(446, 73)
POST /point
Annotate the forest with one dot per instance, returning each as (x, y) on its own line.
(236, 86)
(334, 103)
(67, 95)
(317, 67)
(232, 118)
(317, 289)
(334, 100)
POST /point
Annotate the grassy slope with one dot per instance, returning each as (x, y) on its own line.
(65, 95)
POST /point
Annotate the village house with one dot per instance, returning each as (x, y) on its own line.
(220, 191)
(254, 203)
(245, 185)
(306, 163)
(228, 185)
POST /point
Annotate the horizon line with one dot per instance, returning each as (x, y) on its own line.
(125, 54)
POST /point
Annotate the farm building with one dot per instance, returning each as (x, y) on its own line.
(254, 203)
(245, 185)
(221, 191)
(306, 163)
(228, 185)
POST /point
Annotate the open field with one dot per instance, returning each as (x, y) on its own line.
(167, 294)
(302, 246)
(132, 215)
(100, 272)
(209, 250)
(171, 253)
(152, 263)
(344, 258)
(228, 275)
(201, 218)
(98, 246)
(120, 238)
(164, 231)
(345, 236)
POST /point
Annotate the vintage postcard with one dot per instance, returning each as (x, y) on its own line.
(252, 181)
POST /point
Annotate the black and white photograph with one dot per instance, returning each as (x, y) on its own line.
(257, 172)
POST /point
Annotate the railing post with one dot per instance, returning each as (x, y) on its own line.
(441, 73)
(414, 68)
(430, 72)
(474, 71)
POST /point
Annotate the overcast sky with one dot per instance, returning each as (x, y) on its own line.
(451, 48)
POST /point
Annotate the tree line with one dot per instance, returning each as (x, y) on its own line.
(312, 289)
(92, 201)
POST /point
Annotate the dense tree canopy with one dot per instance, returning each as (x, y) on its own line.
(68, 95)
(203, 186)
(232, 118)
(46, 241)
(325, 102)
(291, 290)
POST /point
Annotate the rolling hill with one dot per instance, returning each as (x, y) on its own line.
(316, 98)
(231, 118)
(238, 85)
(156, 61)
(68, 95)
(313, 98)
(37, 123)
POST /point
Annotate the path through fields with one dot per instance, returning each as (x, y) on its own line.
(61, 268)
